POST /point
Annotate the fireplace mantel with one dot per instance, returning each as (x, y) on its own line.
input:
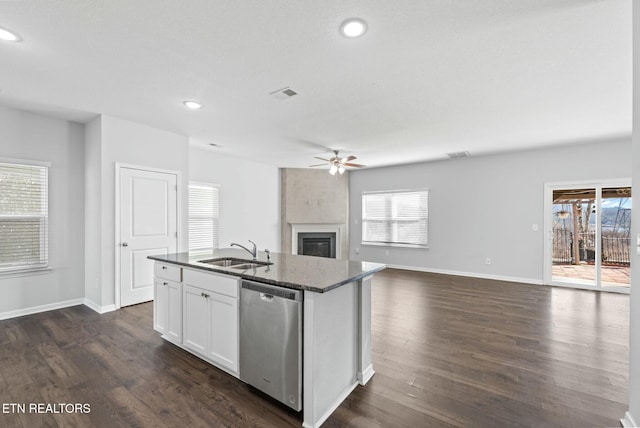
(336, 228)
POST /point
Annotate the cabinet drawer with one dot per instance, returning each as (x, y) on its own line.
(221, 284)
(165, 271)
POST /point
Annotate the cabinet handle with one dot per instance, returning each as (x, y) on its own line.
(165, 283)
(206, 296)
(164, 268)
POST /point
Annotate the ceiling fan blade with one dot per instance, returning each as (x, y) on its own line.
(320, 164)
(348, 158)
(322, 159)
(355, 165)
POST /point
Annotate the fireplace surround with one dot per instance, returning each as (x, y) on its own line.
(319, 238)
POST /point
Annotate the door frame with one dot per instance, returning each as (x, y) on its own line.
(548, 230)
(118, 167)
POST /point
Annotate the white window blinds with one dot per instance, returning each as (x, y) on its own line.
(395, 218)
(203, 216)
(23, 217)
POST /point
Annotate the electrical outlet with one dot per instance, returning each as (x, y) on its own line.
(487, 261)
(357, 250)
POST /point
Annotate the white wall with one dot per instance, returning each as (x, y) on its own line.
(249, 197)
(113, 140)
(31, 136)
(632, 418)
(485, 207)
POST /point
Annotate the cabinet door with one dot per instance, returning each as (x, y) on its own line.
(174, 312)
(223, 334)
(195, 319)
(160, 305)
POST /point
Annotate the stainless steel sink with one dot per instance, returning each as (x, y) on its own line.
(224, 261)
(232, 262)
(252, 265)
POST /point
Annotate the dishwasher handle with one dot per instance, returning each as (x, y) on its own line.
(272, 291)
(266, 297)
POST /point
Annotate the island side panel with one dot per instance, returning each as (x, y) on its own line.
(365, 363)
(331, 350)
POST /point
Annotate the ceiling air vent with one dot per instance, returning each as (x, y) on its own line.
(284, 93)
(456, 155)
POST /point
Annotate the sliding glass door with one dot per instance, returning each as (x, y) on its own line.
(574, 219)
(615, 235)
(588, 228)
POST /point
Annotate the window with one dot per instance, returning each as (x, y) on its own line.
(23, 216)
(395, 218)
(203, 216)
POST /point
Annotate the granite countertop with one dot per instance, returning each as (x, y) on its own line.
(317, 274)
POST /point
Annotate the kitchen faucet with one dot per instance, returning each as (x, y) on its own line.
(254, 253)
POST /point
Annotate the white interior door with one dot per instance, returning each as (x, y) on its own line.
(148, 226)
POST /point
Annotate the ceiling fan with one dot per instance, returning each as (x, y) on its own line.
(337, 163)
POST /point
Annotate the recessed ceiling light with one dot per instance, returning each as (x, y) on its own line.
(9, 36)
(193, 105)
(353, 27)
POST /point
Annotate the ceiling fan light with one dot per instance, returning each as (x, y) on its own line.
(341, 169)
(333, 170)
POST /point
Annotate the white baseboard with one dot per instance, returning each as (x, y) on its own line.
(469, 274)
(99, 309)
(42, 308)
(366, 375)
(628, 421)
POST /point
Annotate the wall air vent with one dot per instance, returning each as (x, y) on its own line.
(284, 93)
(456, 155)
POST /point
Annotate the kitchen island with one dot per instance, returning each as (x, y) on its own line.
(194, 297)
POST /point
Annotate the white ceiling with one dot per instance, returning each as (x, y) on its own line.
(429, 77)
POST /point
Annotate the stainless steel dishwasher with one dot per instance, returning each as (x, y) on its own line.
(271, 341)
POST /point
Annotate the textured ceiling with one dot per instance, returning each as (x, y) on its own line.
(429, 77)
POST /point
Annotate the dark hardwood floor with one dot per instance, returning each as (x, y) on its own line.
(448, 352)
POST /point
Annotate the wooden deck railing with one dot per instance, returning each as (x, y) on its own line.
(616, 247)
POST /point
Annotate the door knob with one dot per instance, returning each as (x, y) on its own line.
(125, 244)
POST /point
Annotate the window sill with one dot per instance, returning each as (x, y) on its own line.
(415, 247)
(24, 272)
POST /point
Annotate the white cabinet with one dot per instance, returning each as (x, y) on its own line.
(210, 317)
(223, 336)
(167, 302)
(195, 314)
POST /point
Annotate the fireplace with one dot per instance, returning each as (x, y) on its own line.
(319, 244)
(317, 239)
